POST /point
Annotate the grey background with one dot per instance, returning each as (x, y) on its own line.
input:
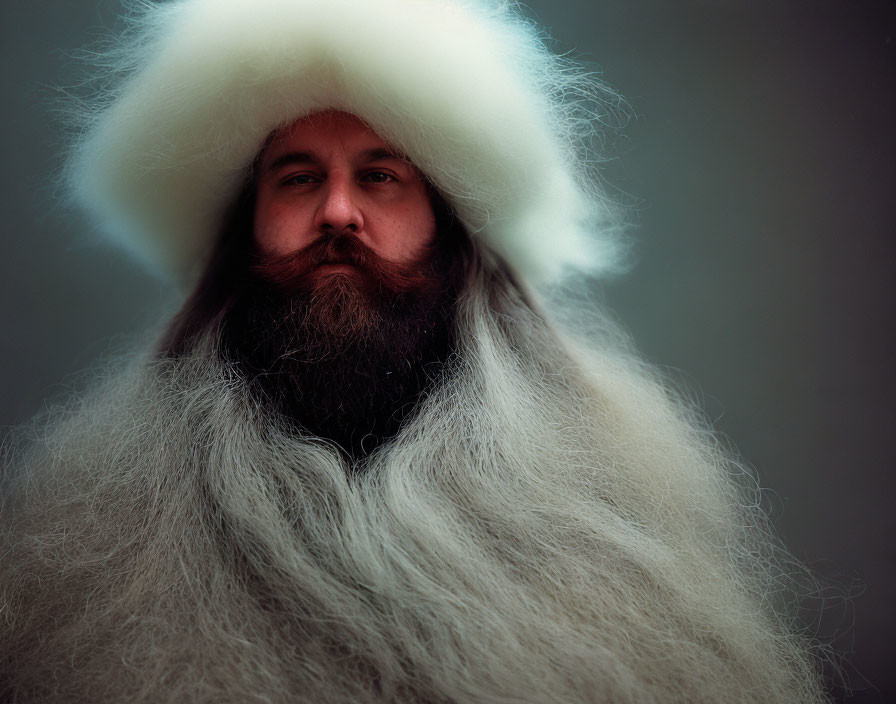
(761, 167)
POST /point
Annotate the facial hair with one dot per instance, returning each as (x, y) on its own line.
(551, 525)
(344, 355)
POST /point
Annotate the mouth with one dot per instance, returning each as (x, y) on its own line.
(336, 268)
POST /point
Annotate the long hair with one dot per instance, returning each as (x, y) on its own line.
(550, 525)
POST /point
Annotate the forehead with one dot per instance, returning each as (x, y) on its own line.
(325, 135)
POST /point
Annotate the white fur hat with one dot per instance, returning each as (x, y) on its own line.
(466, 89)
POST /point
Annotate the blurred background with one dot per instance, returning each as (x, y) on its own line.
(759, 163)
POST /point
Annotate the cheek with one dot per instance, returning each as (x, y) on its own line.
(426, 230)
(412, 230)
(277, 229)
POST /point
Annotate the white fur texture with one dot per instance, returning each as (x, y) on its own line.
(550, 528)
(466, 89)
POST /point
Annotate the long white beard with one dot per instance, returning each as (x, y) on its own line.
(550, 527)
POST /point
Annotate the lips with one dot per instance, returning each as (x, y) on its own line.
(336, 267)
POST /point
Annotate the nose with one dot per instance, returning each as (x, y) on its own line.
(338, 212)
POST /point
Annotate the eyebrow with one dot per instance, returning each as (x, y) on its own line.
(293, 158)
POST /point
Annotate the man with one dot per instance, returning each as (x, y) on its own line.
(365, 463)
(343, 316)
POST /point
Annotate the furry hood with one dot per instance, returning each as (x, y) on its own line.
(466, 89)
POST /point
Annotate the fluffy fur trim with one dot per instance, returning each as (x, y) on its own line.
(468, 90)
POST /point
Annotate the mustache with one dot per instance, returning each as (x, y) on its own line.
(297, 271)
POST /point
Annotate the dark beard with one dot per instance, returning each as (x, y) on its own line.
(344, 356)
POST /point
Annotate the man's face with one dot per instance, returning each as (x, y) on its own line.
(329, 174)
(348, 310)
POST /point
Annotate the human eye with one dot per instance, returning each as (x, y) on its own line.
(300, 179)
(378, 176)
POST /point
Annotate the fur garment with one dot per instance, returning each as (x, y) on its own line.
(549, 527)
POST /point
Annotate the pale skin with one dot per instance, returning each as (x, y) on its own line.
(330, 173)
